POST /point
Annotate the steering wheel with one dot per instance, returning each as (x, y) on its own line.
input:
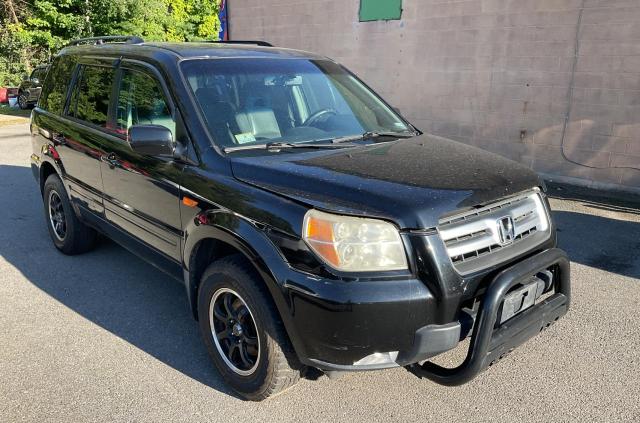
(316, 116)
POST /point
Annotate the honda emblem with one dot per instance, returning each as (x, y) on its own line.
(506, 230)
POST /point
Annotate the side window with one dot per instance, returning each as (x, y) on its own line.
(54, 91)
(40, 74)
(90, 101)
(141, 102)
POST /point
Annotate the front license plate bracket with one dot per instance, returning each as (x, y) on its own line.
(521, 299)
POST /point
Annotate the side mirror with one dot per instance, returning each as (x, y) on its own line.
(151, 140)
(25, 77)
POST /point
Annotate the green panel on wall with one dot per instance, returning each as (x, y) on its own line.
(378, 10)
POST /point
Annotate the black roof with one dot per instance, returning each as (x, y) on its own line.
(187, 50)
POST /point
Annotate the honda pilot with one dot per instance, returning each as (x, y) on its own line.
(312, 226)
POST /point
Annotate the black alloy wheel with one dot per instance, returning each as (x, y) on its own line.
(57, 218)
(234, 331)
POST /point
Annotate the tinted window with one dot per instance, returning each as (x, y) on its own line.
(55, 88)
(90, 101)
(141, 102)
(38, 74)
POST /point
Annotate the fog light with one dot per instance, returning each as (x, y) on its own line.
(378, 358)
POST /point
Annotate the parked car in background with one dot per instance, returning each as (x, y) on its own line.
(9, 96)
(311, 225)
(31, 86)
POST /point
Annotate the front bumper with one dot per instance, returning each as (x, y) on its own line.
(490, 343)
(376, 325)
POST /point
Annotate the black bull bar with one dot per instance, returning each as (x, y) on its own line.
(489, 343)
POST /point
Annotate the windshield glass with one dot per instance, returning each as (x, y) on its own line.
(255, 101)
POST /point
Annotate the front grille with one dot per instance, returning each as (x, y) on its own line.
(474, 239)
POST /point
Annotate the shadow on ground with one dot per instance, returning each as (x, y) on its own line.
(108, 286)
(124, 295)
(608, 244)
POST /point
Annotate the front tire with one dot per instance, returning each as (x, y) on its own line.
(243, 332)
(67, 232)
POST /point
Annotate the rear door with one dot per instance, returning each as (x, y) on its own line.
(79, 136)
(142, 194)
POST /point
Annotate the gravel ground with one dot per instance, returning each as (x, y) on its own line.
(106, 337)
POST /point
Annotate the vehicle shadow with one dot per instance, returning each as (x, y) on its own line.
(601, 242)
(108, 286)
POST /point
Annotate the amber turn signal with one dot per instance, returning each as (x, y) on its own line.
(189, 202)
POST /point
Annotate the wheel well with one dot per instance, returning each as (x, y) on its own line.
(209, 250)
(46, 169)
(205, 252)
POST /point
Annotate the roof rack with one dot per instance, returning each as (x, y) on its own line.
(257, 43)
(128, 39)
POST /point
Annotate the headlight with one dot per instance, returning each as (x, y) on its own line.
(354, 244)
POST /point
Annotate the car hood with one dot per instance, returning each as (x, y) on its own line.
(413, 182)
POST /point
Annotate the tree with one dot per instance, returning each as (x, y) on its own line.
(31, 31)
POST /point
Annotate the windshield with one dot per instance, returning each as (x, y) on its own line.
(256, 101)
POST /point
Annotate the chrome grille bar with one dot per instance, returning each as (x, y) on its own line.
(474, 239)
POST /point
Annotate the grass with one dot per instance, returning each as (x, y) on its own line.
(13, 111)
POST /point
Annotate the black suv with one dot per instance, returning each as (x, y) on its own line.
(312, 226)
(31, 87)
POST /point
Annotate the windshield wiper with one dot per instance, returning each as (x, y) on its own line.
(276, 146)
(374, 134)
(321, 143)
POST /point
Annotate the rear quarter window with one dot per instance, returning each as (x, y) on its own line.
(54, 89)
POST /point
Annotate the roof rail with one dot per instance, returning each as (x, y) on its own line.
(128, 39)
(258, 43)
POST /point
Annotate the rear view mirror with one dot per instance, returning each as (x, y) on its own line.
(151, 140)
(283, 80)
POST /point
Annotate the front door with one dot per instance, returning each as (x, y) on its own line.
(142, 194)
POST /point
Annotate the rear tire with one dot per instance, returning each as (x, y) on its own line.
(252, 330)
(23, 103)
(67, 232)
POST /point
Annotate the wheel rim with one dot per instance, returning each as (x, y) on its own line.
(234, 331)
(56, 216)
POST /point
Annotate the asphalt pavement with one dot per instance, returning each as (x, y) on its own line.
(106, 337)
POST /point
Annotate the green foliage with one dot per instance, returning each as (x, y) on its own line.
(45, 26)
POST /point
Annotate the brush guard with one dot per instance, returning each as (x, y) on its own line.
(490, 343)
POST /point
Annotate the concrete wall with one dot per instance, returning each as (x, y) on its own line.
(499, 74)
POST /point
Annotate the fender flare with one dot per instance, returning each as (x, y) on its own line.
(46, 160)
(58, 169)
(243, 235)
